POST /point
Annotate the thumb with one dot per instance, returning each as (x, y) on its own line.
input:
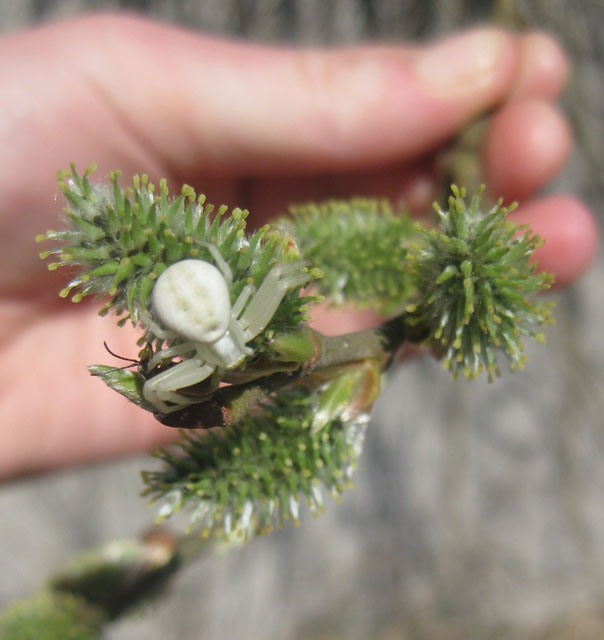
(225, 107)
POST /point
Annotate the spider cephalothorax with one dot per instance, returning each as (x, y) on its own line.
(191, 302)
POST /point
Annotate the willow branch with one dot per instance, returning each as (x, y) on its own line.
(228, 405)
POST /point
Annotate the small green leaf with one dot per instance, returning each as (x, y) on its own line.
(295, 346)
(334, 399)
(125, 382)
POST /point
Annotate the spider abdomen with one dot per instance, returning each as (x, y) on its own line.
(191, 298)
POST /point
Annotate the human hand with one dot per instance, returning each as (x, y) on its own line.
(250, 126)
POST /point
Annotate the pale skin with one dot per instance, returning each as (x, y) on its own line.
(250, 126)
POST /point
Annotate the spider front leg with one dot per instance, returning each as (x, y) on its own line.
(170, 352)
(163, 387)
(265, 302)
(162, 334)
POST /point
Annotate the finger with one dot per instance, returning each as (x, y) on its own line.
(74, 419)
(316, 110)
(192, 102)
(334, 321)
(410, 186)
(570, 233)
(527, 144)
(542, 68)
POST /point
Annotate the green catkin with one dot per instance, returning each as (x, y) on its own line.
(121, 240)
(251, 477)
(473, 278)
(360, 247)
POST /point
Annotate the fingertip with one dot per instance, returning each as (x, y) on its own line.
(527, 145)
(333, 321)
(543, 68)
(570, 233)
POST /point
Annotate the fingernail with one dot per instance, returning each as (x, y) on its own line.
(461, 62)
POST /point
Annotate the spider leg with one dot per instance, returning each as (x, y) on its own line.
(221, 263)
(163, 387)
(235, 328)
(170, 352)
(241, 301)
(265, 302)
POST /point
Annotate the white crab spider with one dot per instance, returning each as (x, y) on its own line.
(191, 300)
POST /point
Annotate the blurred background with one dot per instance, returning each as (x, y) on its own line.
(478, 510)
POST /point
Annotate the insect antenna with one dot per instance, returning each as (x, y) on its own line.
(132, 361)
